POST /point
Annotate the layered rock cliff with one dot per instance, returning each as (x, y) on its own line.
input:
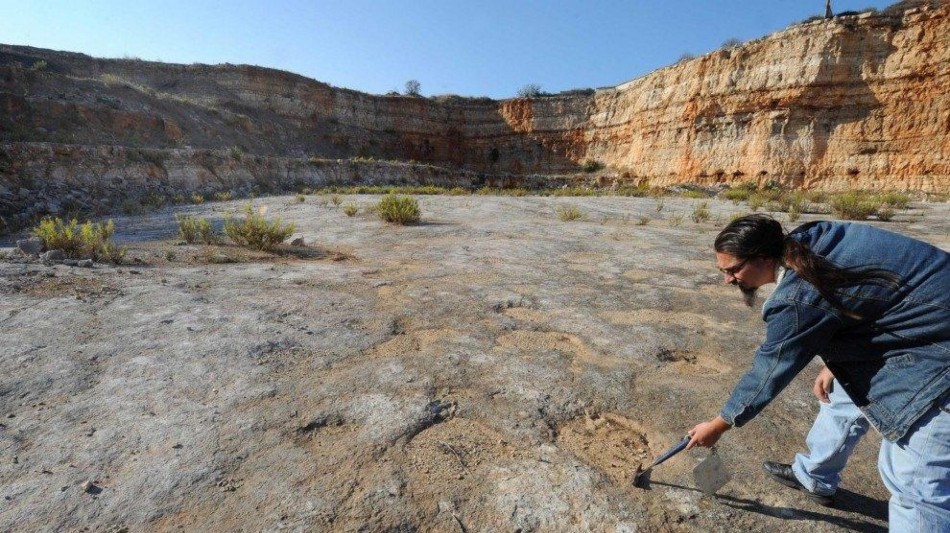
(855, 101)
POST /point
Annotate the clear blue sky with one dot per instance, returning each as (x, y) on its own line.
(472, 48)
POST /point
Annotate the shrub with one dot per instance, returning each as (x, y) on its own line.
(112, 253)
(854, 205)
(179, 199)
(638, 192)
(794, 214)
(676, 220)
(816, 197)
(350, 210)
(459, 191)
(564, 191)
(131, 207)
(896, 200)
(235, 152)
(569, 213)
(732, 42)
(153, 200)
(756, 201)
(700, 213)
(398, 209)
(256, 232)
(197, 199)
(88, 240)
(194, 229)
(531, 90)
(336, 200)
(413, 88)
(301, 198)
(592, 165)
(885, 213)
(223, 196)
(739, 192)
(643, 221)
(39, 65)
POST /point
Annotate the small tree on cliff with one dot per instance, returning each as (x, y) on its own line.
(531, 90)
(413, 88)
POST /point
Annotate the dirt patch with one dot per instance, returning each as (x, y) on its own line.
(82, 288)
(527, 342)
(688, 362)
(611, 443)
(693, 321)
(453, 451)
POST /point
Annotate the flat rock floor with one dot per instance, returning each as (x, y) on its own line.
(492, 368)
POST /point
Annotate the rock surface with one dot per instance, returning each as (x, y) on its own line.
(31, 246)
(490, 369)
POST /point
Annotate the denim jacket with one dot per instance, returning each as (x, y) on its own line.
(894, 361)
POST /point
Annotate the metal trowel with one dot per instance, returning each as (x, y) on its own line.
(642, 478)
(711, 474)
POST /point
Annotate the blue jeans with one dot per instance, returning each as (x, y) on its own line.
(836, 431)
(916, 470)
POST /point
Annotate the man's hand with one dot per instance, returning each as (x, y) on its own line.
(823, 385)
(708, 433)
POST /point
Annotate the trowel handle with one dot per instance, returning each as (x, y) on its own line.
(677, 448)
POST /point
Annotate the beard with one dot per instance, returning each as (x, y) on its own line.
(748, 294)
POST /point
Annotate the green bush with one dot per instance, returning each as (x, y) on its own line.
(855, 205)
(569, 213)
(197, 199)
(131, 207)
(568, 191)
(896, 200)
(89, 240)
(398, 209)
(885, 213)
(301, 198)
(816, 197)
(700, 213)
(223, 196)
(794, 213)
(592, 165)
(736, 195)
(350, 210)
(756, 201)
(254, 231)
(637, 192)
(194, 229)
(531, 90)
(153, 200)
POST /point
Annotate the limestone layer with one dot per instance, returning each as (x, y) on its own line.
(856, 101)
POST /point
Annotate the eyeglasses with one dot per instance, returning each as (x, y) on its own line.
(735, 269)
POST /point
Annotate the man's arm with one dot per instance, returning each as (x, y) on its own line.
(795, 332)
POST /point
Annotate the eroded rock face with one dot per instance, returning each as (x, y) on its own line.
(856, 101)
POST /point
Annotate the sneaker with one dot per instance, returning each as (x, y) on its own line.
(783, 473)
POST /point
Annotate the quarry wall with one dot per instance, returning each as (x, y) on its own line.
(850, 102)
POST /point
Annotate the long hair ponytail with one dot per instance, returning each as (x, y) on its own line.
(762, 236)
